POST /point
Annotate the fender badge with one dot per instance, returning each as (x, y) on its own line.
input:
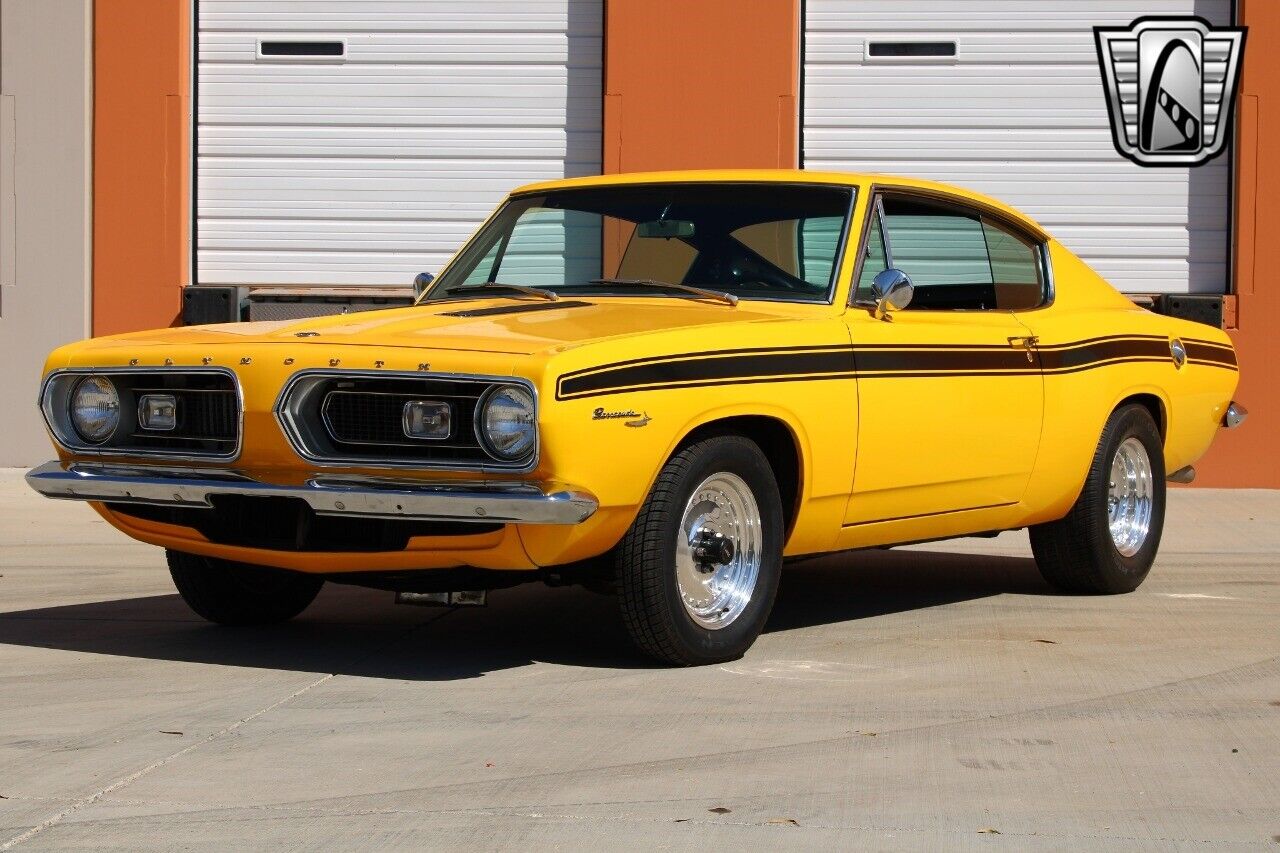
(639, 419)
(306, 334)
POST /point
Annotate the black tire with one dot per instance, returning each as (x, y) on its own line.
(645, 559)
(1077, 553)
(239, 593)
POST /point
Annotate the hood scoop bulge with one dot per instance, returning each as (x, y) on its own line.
(522, 308)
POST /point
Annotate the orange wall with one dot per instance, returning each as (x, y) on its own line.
(703, 84)
(1248, 456)
(141, 163)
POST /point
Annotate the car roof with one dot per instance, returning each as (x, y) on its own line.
(791, 176)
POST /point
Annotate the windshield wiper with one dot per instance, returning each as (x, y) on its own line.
(493, 285)
(718, 296)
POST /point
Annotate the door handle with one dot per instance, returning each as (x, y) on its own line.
(1026, 342)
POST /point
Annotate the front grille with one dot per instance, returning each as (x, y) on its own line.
(207, 417)
(290, 524)
(359, 418)
(206, 408)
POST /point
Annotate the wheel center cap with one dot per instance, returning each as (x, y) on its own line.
(711, 548)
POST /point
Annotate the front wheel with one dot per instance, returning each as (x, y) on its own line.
(232, 593)
(1108, 541)
(698, 570)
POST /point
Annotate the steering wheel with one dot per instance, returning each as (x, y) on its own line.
(730, 264)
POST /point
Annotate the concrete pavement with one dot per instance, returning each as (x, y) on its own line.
(934, 697)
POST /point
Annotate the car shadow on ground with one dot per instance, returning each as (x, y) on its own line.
(360, 632)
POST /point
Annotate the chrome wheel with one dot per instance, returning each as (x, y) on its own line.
(718, 550)
(1129, 497)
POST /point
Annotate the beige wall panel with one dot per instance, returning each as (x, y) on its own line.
(46, 62)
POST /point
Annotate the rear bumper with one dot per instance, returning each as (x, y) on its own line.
(333, 495)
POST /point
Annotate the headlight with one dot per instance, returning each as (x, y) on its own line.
(506, 423)
(95, 409)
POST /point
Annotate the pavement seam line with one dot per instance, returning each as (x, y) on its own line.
(124, 781)
(138, 774)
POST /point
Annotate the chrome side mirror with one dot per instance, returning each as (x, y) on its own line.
(892, 291)
(421, 282)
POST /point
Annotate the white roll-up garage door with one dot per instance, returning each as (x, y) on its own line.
(360, 142)
(1018, 113)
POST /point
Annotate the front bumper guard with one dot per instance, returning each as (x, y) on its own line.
(350, 496)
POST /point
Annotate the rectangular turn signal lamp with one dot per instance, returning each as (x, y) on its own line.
(427, 419)
(158, 412)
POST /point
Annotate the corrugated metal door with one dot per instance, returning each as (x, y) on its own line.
(1018, 112)
(360, 142)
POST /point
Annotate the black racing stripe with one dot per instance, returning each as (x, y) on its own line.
(655, 359)
(1091, 365)
(993, 360)
(796, 350)
(1221, 364)
(1068, 345)
(1029, 371)
(1104, 350)
(1217, 344)
(709, 370)
(1105, 338)
(872, 362)
(719, 383)
(1204, 351)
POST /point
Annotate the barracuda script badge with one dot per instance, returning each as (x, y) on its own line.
(1171, 88)
(637, 419)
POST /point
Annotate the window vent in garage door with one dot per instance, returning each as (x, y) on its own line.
(301, 49)
(911, 49)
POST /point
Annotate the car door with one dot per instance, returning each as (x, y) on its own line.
(950, 391)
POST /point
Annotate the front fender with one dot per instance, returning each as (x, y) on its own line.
(615, 445)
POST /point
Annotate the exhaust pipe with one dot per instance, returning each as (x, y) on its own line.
(455, 598)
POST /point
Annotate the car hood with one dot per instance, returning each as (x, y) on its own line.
(490, 325)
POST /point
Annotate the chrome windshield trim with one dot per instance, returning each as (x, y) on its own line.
(347, 496)
(287, 418)
(853, 188)
(60, 434)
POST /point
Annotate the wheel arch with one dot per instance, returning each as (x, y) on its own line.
(781, 439)
(1153, 402)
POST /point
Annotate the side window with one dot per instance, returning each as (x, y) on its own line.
(874, 263)
(1015, 268)
(958, 260)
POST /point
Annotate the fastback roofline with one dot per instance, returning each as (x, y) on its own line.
(862, 180)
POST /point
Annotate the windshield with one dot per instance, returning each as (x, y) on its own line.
(753, 241)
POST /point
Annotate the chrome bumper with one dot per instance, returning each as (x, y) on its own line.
(359, 497)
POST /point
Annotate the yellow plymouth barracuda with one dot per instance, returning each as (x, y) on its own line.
(661, 386)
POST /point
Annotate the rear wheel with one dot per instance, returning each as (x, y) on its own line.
(232, 593)
(1108, 541)
(698, 570)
